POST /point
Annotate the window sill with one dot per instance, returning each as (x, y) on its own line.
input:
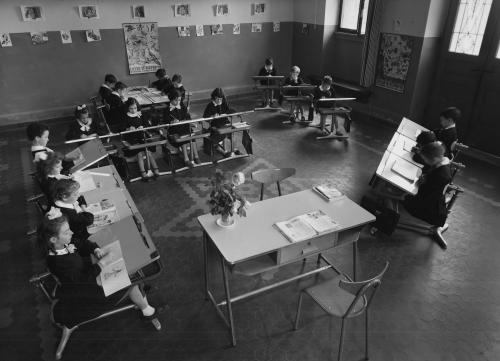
(349, 36)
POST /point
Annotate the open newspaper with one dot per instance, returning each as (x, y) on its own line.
(114, 275)
(307, 226)
(104, 213)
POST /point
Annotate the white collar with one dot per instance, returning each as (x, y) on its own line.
(135, 115)
(115, 93)
(172, 107)
(445, 161)
(57, 176)
(217, 105)
(106, 86)
(450, 126)
(85, 127)
(68, 249)
(74, 206)
(323, 89)
(178, 87)
(34, 148)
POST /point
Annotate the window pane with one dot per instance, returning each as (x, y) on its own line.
(365, 15)
(469, 26)
(498, 51)
(349, 14)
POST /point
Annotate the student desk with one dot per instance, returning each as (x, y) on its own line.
(410, 129)
(92, 151)
(147, 96)
(254, 245)
(385, 172)
(401, 145)
(139, 251)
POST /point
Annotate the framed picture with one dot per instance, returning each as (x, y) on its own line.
(304, 30)
(93, 35)
(256, 27)
(393, 61)
(182, 10)
(5, 40)
(221, 9)
(32, 13)
(258, 8)
(183, 31)
(88, 11)
(39, 38)
(200, 31)
(217, 29)
(66, 37)
(236, 29)
(276, 26)
(138, 11)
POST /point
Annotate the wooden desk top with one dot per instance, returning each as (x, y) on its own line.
(256, 234)
(410, 129)
(400, 145)
(385, 172)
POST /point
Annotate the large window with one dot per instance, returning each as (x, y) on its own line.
(353, 14)
(469, 26)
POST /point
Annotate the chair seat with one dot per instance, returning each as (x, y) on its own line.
(333, 299)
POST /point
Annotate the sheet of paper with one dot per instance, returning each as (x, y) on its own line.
(114, 275)
(406, 170)
(296, 229)
(86, 181)
(320, 221)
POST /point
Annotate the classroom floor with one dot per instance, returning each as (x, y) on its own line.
(433, 304)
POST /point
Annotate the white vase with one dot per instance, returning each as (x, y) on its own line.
(225, 221)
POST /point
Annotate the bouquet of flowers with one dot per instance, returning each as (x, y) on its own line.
(224, 197)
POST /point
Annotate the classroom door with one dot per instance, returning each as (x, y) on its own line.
(469, 73)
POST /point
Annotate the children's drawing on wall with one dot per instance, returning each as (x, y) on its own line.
(393, 61)
(66, 37)
(236, 29)
(138, 11)
(217, 29)
(39, 38)
(143, 49)
(200, 31)
(93, 35)
(182, 10)
(305, 29)
(183, 31)
(276, 26)
(31, 13)
(5, 40)
(256, 27)
(222, 9)
(258, 9)
(88, 11)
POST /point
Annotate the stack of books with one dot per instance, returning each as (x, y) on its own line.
(306, 226)
(328, 191)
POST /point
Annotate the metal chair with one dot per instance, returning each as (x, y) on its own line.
(266, 176)
(48, 283)
(344, 298)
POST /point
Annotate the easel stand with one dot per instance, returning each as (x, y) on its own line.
(269, 87)
(303, 96)
(334, 111)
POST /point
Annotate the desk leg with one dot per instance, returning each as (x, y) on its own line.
(205, 262)
(228, 301)
(354, 259)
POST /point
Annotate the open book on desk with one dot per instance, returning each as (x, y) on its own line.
(104, 213)
(406, 170)
(307, 226)
(114, 275)
(86, 181)
(76, 156)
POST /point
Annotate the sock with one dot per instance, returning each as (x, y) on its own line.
(148, 311)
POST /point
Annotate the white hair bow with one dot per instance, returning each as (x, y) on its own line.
(53, 213)
(238, 178)
(81, 107)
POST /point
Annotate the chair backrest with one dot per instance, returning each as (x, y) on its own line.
(360, 290)
(48, 283)
(276, 175)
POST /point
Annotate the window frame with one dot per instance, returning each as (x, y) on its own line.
(360, 19)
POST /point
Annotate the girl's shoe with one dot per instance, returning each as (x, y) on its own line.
(144, 176)
(197, 160)
(189, 163)
(156, 173)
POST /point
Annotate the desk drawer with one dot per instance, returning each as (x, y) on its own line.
(305, 248)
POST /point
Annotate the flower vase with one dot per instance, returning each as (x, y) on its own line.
(225, 221)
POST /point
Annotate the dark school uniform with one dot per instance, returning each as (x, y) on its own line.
(77, 129)
(447, 136)
(136, 121)
(171, 115)
(319, 93)
(265, 72)
(180, 89)
(105, 92)
(78, 219)
(289, 81)
(39, 153)
(115, 113)
(80, 297)
(429, 203)
(213, 109)
(162, 84)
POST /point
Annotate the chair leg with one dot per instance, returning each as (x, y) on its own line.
(279, 188)
(262, 191)
(438, 237)
(341, 344)
(366, 334)
(66, 333)
(297, 316)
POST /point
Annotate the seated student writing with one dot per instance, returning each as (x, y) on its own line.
(447, 132)
(163, 82)
(177, 85)
(292, 80)
(107, 88)
(80, 296)
(83, 126)
(49, 172)
(174, 113)
(423, 138)
(218, 106)
(325, 90)
(116, 107)
(135, 120)
(268, 70)
(66, 197)
(38, 134)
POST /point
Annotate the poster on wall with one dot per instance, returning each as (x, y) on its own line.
(182, 10)
(88, 11)
(258, 8)
(183, 31)
(93, 35)
(221, 9)
(5, 40)
(276, 26)
(217, 29)
(138, 11)
(236, 29)
(66, 37)
(32, 13)
(143, 49)
(39, 38)
(200, 30)
(393, 61)
(256, 27)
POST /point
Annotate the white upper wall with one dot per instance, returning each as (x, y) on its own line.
(320, 12)
(407, 17)
(436, 18)
(63, 14)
